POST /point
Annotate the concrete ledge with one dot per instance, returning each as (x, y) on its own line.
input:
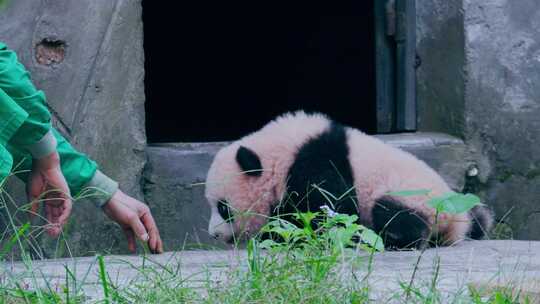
(485, 264)
(175, 173)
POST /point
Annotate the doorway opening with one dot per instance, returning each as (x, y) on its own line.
(218, 71)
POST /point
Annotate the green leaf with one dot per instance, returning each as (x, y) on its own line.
(340, 219)
(409, 192)
(307, 217)
(103, 278)
(22, 231)
(372, 239)
(268, 244)
(284, 229)
(454, 203)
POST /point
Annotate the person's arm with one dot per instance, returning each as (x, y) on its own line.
(87, 181)
(49, 157)
(11, 118)
(34, 133)
(34, 136)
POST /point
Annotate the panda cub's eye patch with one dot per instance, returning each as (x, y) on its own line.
(225, 211)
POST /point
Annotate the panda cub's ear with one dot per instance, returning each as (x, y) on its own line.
(249, 161)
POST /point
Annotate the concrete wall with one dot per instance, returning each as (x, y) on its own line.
(502, 106)
(87, 56)
(440, 49)
(480, 81)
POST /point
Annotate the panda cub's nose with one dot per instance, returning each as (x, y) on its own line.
(216, 235)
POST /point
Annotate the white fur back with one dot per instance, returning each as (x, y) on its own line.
(379, 168)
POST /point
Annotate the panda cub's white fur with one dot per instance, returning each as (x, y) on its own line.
(271, 172)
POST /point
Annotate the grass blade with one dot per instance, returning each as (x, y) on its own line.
(103, 278)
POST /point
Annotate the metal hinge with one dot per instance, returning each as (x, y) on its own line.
(391, 17)
(396, 19)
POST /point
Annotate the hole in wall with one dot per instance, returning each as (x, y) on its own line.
(50, 51)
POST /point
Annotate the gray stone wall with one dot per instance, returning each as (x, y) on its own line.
(440, 49)
(87, 56)
(502, 106)
(479, 80)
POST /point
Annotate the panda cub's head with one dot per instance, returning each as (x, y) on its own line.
(247, 179)
(240, 193)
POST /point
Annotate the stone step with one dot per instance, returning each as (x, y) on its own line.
(175, 174)
(485, 265)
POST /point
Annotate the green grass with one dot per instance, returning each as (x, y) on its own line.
(330, 264)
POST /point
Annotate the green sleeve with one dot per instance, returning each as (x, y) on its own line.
(81, 173)
(11, 118)
(15, 82)
(5, 164)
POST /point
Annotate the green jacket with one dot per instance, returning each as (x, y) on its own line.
(26, 133)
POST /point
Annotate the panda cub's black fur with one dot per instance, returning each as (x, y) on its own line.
(322, 161)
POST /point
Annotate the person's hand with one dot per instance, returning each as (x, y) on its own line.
(47, 185)
(135, 218)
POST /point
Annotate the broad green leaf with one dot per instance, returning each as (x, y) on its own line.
(268, 244)
(372, 239)
(340, 218)
(409, 192)
(439, 201)
(454, 203)
(307, 217)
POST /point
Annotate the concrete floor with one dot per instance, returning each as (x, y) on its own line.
(481, 263)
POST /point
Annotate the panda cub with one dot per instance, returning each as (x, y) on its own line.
(281, 168)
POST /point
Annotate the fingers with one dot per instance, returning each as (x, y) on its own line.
(58, 208)
(34, 208)
(56, 212)
(50, 188)
(35, 188)
(55, 225)
(159, 248)
(52, 227)
(135, 216)
(130, 239)
(63, 201)
(138, 227)
(63, 212)
(155, 243)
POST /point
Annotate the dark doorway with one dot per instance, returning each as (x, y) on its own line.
(217, 71)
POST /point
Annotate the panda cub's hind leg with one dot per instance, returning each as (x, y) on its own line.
(400, 227)
(482, 222)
